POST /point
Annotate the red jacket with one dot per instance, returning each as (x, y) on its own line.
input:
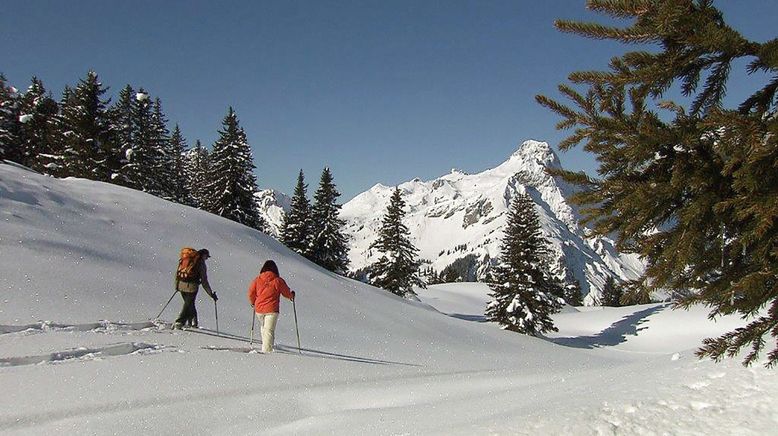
(265, 292)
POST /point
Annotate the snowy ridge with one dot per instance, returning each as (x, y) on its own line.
(273, 205)
(459, 214)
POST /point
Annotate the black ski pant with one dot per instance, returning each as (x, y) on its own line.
(189, 311)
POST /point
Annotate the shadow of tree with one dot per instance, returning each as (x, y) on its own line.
(474, 318)
(613, 335)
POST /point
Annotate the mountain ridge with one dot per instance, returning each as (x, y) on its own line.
(458, 215)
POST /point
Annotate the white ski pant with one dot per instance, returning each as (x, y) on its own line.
(268, 321)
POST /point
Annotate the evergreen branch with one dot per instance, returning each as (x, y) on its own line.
(620, 8)
(761, 100)
(599, 31)
(715, 88)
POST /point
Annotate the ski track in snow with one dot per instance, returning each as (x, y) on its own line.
(81, 353)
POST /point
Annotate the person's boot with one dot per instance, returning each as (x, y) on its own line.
(177, 325)
(193, 322)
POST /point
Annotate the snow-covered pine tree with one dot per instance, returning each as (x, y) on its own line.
(39, 130)
(9, 122)
(165, 169)
(692, 190)
(296, 227)
(328, 245)
(86, 129)
(197, 173)
(573, 295)
(524, 294)
(397, 270)
(144, 156)
(232, 182)
(178, 151)
(122, 126)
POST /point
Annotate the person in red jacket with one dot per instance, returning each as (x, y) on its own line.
(265, 297)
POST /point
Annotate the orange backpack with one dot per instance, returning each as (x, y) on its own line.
(187, 265)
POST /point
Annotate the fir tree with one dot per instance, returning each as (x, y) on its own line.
(328, 245)
(693, 191)
(86, 129)
(296, 228)
(232, 182)
(611, 293)
(177, 150)
(166, 166)
(122, 135)
(397, 270)
(524, 295)
(10, 147)
(38, 130)
(144, 157)
(572, 293)
(197, 173)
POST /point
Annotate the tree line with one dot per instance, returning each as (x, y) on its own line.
(128, 143)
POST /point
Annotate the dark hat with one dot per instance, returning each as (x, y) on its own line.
(204, 252)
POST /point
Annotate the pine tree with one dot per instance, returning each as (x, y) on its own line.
(524, 295)
(611, 293)
(10, 146)
(572, 293)
(122, 135)
(397, 270)
(296, 228)
(232, 182)
(144, 157)
(86, 129)
(328, 245)
(177, 150)
(197, 173)
(38, 130)
(692, 190)
(166, 166)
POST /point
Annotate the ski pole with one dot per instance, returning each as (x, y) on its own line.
(253, 318)
(294, 307)
(166, 304)
(216, 309)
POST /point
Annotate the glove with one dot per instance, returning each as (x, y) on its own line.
(293, 295)
(215, 298)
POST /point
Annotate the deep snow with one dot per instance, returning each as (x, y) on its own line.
(84, 265)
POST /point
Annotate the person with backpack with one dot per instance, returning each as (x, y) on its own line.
(191, 273)
(265, 297)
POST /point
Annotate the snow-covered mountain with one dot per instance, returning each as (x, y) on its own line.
(272, 207)
(460, 218)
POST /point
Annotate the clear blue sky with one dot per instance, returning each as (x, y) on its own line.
(378, 90)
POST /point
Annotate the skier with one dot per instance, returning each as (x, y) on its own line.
(265, 297)
(190, 274)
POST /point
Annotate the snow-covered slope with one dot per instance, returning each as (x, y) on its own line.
(272, 206)
(84, 265)
(461, 214)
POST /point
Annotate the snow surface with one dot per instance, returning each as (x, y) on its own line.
(84, 265)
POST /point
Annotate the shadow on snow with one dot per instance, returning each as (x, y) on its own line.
(615, 334)
(305, 352)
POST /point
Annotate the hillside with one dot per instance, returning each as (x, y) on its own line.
(84, 266)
